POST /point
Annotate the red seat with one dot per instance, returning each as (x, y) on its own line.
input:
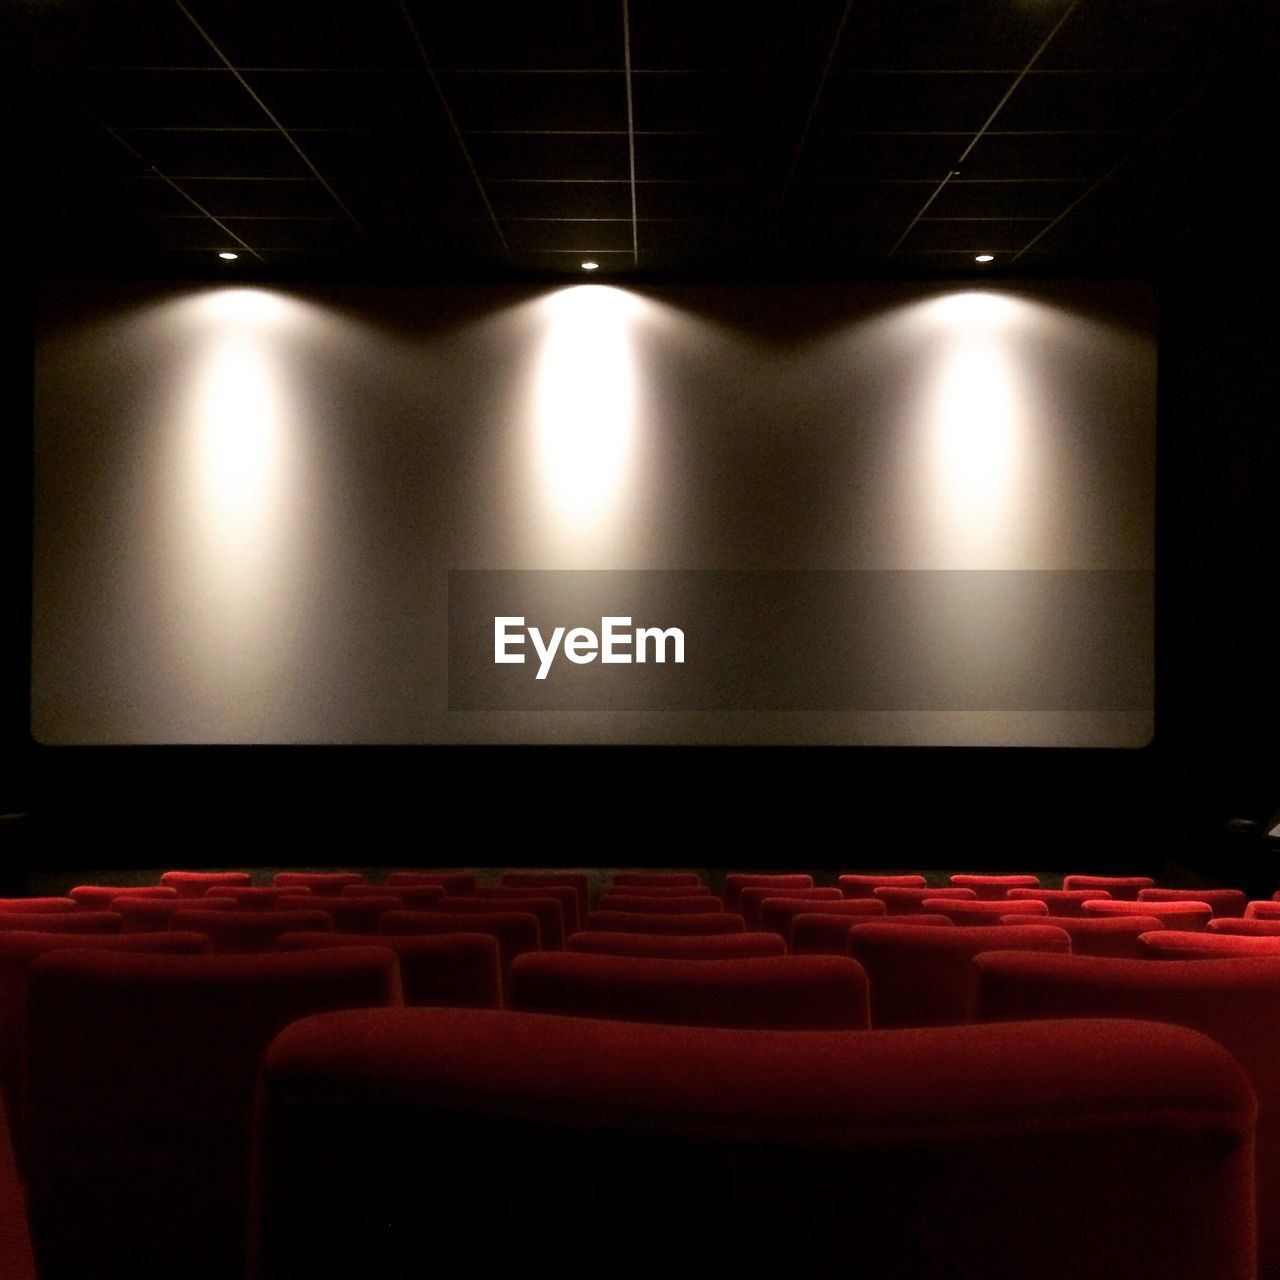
(905, 902)
(43, 906)
(1123, 887)
(984, 912)
(736, 881)
(195, 884)
(994, 886)
(712, 946)
(357, 914)
(19, 951)
(1114, 936)
(259, 898)
(1225, 902)
(859, 885)
(152, 915)
(321, 882)
(1236, 1002)
(140, 1098)
(548, 911)
(246, 933)
(664, 904)
(660, 922)
(575, 880)
(827, 933)
(1061, 902)
(777, 914)
(656, 880)
(1172, 915)
(462, 970)
(16, 1260)
(422, 897)
(515, 931)
(1262, 911)
(750, 898)
(565, 895)
(372, 891)
(1107, 1150)
(1254, 927)
(61, 922)
(462, 882)
(924, 977)
(772, 992)
(98, 897)
(1168, 944)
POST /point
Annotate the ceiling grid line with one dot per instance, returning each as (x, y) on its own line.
(631, 129)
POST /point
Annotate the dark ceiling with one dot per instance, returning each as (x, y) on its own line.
(670, 136)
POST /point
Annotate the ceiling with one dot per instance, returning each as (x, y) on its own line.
(652, 136)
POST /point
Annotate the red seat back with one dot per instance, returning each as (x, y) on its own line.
(1166, 944)
(1225, 902)
(244, 933)
(860, 885)
(1061, 902)
(736, 881)
(152, 915)
(1172, 915)
(750, 899)
(575, 880)
(257, 898)
(43, 906)
(827, 934)
(321, 882)
(994, 886)
(712, 946)
(777, 914)
(905, 902)
(656, 880)
(350, 914)
(550, 915)
(985, 911)
(98, 897)
(1112, 936)
(661, 922)
(565, 895)
(1123, 887)
(16, 1260)
(61, 922)
(450, 881)
(195, 884)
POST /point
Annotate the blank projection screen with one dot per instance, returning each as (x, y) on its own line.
(595, 513)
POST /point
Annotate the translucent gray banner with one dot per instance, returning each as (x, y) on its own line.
(805, 640)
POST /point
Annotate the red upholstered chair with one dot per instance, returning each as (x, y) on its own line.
(61, 922)
(809, 993)
(1061, 902)
(994, 886)
(1115, 937)
(713, 946)
(152, 915)
(776, 914)
(827, 933)
(665, 904)
(1225, 902)
(1172, 915)
(736, 881)
(462, 882)
(371, 891)
(1262, 911)
(565, 895)
(461, 970)
(1256, 927)
(659, 891)
(16, 1260)
(1180, 945)
(1125, 888)
(924, 977)
(195, 884)
(860, 885)
(515, 931)
(905, 902)
(246, 933)
(660, 922)
(750, 898)
(985, 911)
(422, 897)
(42, 906)
(1112, 1150)
(1236, 1002)
(19, 951)
(656, 880)
(575, 880)
(321, 882)
(548, 911)
(98, 897)
(349, 914)
(258, 898)
(141, 1080)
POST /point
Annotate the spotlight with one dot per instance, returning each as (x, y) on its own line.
(985, 257)
(228, 257)
(591, 266)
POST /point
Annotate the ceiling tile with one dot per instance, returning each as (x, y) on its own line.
(583, 103)
(544, 157)
(391, 100)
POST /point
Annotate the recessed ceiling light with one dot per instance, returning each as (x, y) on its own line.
(591, 266)
(985, 257)
(228, 257)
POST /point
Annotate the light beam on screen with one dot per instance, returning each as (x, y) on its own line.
(585, 402)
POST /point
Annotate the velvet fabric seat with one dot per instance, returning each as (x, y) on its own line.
(142, 1071)
(152, 915)
(549, 913)
(986, 886)
(905, 902)
(319, 882)
(661, 922)
(1181, 945)
(827, 934)
(566, 895)
(751, 898)
(516, 932)
(736, 881)
(656, 879)
(245, 933)
(255, 898)
(985, 911)
(458, 970)
(450, 881)
(777, 914)
(357, 913)
(923, 977)
(1061, 902)
(713, 946)
(43, 906)
(1235, 1001)
(449, 1143)
(575, 880)
(1125, 888)
(16, 1259)
(195, 884)
(799, 992)
(1250, 926)
(61, 922)
(660, 904)
(1225, 902)
(1172, 915)
(862, 885)
(99, 897)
